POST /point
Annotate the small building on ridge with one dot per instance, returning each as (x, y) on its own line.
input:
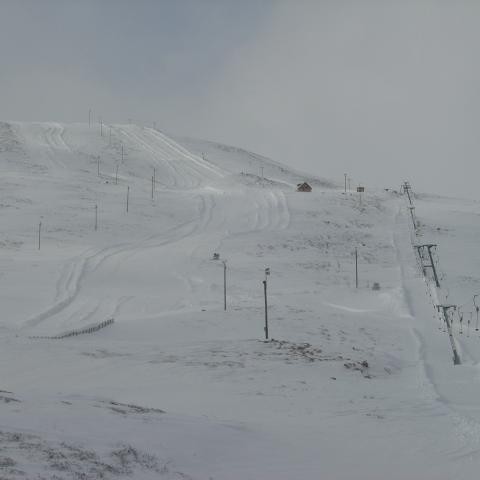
(304, 187)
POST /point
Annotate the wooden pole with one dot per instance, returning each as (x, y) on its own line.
(39, 233)
(152, 187)
(128, 195)
(96, 217)
(116, 175)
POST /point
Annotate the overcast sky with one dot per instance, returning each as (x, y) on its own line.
(383, 90)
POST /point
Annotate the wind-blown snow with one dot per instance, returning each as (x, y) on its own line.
(356, 383)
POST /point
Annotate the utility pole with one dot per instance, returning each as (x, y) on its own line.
(224, 285)
(420, 256)
(154, 178)
(39, 233)
(445, 309)
(110, 137)
(89, 117)
(122, 153)
(116, 175)
(128, 195)
(101, 127)
(345, 175)
(356, 267)
(406, 189)
(96, 217)
(429, 247)
(98, 166)
(412, 208)
(267, 273)
(349, 185)
(152, 185)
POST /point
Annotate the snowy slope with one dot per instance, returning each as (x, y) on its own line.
(357, 383)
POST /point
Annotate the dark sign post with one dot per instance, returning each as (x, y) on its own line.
(360, 190)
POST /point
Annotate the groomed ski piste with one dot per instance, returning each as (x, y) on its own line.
(118, 360)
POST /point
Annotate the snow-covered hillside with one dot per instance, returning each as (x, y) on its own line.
(353, 383)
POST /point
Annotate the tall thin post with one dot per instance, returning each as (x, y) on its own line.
(477, 308)
(445, 309)
(39, 233)
(406, 188)
(128, 195)
(413, 217)
(266, 308)
(345, 175)
(96, 217)
(110, 136)
(98, 166)
(101, 127)
(429, 248)
(356, 267)
(89, 117)
(122, 154)
(225, 285)
(152, 187)
(154, 178)
(116, 175)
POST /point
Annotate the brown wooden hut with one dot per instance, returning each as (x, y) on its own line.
(304, 187)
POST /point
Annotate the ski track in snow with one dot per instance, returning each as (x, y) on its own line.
(270, 212)
(49, 137)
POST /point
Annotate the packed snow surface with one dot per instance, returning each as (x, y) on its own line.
(118, 360)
